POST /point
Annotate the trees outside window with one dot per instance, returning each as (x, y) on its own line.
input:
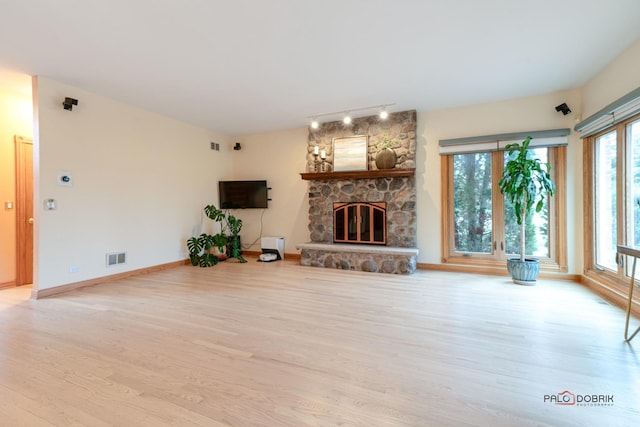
(478, 223)
(612, 199)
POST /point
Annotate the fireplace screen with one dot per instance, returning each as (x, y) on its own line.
(360, 223)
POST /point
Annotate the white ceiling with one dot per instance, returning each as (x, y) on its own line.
(249, 66)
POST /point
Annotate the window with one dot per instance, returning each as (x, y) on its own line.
(612, 199)
(605, 200)
(536, 226)
(478, 223)
(472, 203)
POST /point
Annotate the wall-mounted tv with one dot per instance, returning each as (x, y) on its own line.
(243, 194)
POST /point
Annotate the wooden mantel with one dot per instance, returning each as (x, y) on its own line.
(371, 174)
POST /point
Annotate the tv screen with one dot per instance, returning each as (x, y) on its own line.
(242, 194)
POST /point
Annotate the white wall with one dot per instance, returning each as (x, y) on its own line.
(140, 183)
(617, 79)
(278, 157)
(16, 117)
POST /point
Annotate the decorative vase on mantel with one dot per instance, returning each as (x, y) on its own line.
(386, 158)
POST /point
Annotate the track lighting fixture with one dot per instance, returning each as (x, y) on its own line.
(347, 117)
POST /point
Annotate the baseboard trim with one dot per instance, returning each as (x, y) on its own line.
(493, 271)
(44, 293)
(614, 296)
(11, 284)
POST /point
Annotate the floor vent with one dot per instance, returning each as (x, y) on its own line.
(215, 146)
(115, 258)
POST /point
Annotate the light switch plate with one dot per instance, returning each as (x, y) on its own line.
(50, 204)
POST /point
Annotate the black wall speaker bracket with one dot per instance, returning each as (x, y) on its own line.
(563, 108)
(68, 103)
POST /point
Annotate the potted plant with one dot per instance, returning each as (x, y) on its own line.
(199, 250)
(525, 182)
(227, 241)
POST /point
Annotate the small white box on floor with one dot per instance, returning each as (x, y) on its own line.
(272, 248)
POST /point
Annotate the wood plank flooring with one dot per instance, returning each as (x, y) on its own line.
(277, 344)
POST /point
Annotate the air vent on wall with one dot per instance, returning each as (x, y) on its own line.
(115, 258)
(215, 146)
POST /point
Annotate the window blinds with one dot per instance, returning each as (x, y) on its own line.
(483, 144)
(610, 115)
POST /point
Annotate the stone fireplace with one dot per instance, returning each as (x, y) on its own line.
(388, 195)
(397, 194)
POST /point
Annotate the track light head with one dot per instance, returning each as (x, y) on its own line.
(237, 147)
(346, 114)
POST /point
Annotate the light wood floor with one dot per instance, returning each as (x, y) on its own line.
(276, 344)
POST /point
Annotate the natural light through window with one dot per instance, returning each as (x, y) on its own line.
(536, 225)
(472, 202)
(606, 201)
(633, 184)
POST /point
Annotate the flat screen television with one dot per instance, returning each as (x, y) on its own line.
(242, 194)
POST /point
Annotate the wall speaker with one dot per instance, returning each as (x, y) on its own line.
(68, 103)
(563, 108)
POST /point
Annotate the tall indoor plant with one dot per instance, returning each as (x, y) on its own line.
(227, 240)
(229, 235)
(525, 182)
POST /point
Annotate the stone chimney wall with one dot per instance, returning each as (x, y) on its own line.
(398, 193)
(398, 127)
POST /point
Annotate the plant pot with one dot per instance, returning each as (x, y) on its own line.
(523, 273)
(233, 242)
(386, 159)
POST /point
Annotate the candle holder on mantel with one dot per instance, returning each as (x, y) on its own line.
(316, 152)
(323, 157)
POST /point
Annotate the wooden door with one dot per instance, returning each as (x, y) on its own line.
(24, 210)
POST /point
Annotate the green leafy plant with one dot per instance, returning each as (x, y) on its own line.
(199, 251)
(227, 240)
(229, 235)
(387, 142)
(525, 182)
